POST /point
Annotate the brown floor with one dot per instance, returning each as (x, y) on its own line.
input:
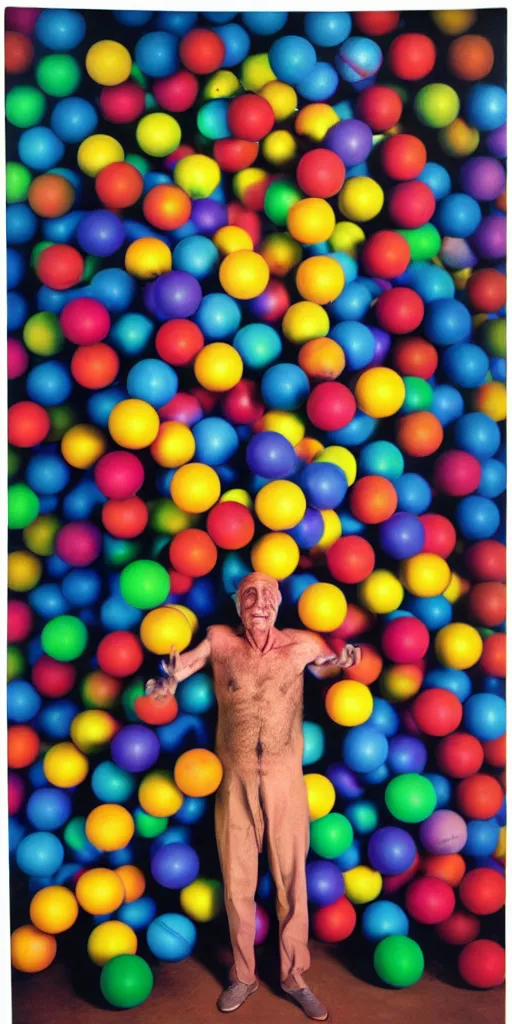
(186, 993)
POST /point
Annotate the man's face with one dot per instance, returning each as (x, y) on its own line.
(258, 607)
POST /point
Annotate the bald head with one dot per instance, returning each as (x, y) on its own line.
(257, 600)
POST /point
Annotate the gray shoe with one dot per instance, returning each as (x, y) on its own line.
(235, 995)
(308, 1002)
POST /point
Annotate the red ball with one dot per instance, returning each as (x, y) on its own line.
(405, 640)
(167, 207)
(27, 424)
(193, 553)
(243, 404)
(233, 155)
(403, 157)
(202, 51)
(250, 221)
(119, 474)
(123, 103)
(22, 19)
(331, 406)
(479, 796)
(156, 712)
(120, 654)
(486, 560)
(320, 173)
(19, 53)
(356, 622)
(23, 746)
(411, 204)
(16, 792)
(487, 290)
(414, 357)
(437, 712)
(85, 321)
(419, 434)
(392, 883)
(19, 621)
(230, 525)
(459, 755)
(250, 117)
(207, 399)
(180, 584)
(495, 751)
(430, 900)
(482, 964)
(95, 366)
(272, 304)
(60, 267)
(182, 407)
(399, 310)
(334, 922)
(350, 559)
(17, 358)
(78, 543)
(386, 254)
(482, 891)
(376, 23)
(177, 92)
(411, 56)
(179, 341)
(373, 499)
(119, 185)
(487, 603)
(369, 668)
(127, 518)
(456, 473)
(53, 678)
(380, 107)
(493, 660)
(172, 159)
(440, 534)
(458, 929)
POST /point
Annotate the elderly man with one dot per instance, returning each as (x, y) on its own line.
(258, 674)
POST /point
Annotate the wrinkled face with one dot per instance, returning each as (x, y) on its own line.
(258, 606)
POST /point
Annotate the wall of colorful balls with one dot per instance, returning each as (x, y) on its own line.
(256, 290)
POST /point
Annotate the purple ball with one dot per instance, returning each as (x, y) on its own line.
(402, 536)
(382, 346)
(345, 781)
(483, 178)
(324, 882)
(208, 215)
(490, 237)
(262, 925)
(457, 254)
(352, 140)
(173, 295)
(271, 455)
(101, 233)
(391, 850)
(406, 754)
(310, 529)
(135, 748)
(444, 831)
(496, 141)
(175, 865)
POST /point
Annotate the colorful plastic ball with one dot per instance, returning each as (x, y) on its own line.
(485, 106)
(482, 964)
(334, 922)
(40, 853)
(351, 559)
(193, 553)
(109, 827)
(324, 485)
(486, 603)
(108, 62)
(53, 909)
(19, 53)
(360, 199)
(482, 891)
(171, 937)
(402, 536)
(348, 702)
(405, 642)
(244, 275)
(458, 645)
(64, 638)
(358, 58)
(25, 106)
(28, 424)
(97, 152)
(320, 173)
(175, 865)
(310, 221)
(403, 156)
(22, 746)
(399, 311)
(379, 392)
(430, 900)
(479, 797)
(324, 882)
(126, 981)
(380, 107)
(373, 499)
(331, 406)
(391, 850)
(195, 487)
(411, 56)
(410, 798)
(111, 939)
(271, 455)
(144, 584)
(31, 949)
(386, 254)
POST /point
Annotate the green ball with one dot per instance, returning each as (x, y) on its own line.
(17, 182)
(118, 551)
(365, 816)
(129, 695)
(280, 196)
(64, 638)
(74, 834)
(331, 835)
(424, 242)
(22, 506)
(398, 961)
(147, 826)
(136, 159)
(159, 544)
(62, 417)
(436, 105)
(494, 337)
(42, 334)
(58, 74)
(410, 797)
(16, 663)
(36, 252)
(91, 266)
(13, 461)
(419, 395)
(126, 981)
(137, 76)
(24, 106)
(145, 584)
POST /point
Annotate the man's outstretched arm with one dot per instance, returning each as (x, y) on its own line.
(177, 668)
(325, 664)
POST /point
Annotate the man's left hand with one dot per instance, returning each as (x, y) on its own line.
(347, 658)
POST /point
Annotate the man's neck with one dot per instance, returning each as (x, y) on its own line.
(259, 640)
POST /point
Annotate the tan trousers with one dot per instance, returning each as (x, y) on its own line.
(246, 804)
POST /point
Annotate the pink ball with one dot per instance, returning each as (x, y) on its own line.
(17, 358)
(430, 900)
(331, 406)
(456, 473)
(16, 790)
(19, 621)
(78, 544)
(444, 831)
(22, 19)
(262, 925)
(183, 408)
(405, 640)
(119, 474)
(85, 321)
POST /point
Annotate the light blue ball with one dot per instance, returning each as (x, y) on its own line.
(138, 914)
(39, 148)
(458, 215)
(111, 784)
(351, 858)
(265, 23)
(62, 229)
(49, 383)
(446, 322)
(314, 742)
(173, 834)
(381, 458)
(485, 106)
(384, 717)
(482, 838)
(447, 404)
(329, 28)
(114, 288)
(285, 386)
(478, 434)
(484, 716)
(219, 316)
(82, 587)
(116, 613)
(437, 178)
(191, 810)
(429, 281)
(60, 29)
(237, 44)
(465, 365)
(23, 701)
(196, 255)
(258, 344)
(156, 54)
(353, 303)
(363, 815)
(443, 788)
(17, 311)
(493, 480)
(195, 695)
(131, 334)
(477, 518)
(414, 493)
(453, 679)
(171, 937)
(364, 748)
(320, 84)
(48, 808)
(79, 504)
(358, 58)
(48, 601)
(216, 440)
(55, 718)
(20, 223)
(73, 119)
(383, 918)
(101, 403)
(47, 473)
(292, 58)
(360, 429)
(152, 381)
(434, 612)
(40, 853)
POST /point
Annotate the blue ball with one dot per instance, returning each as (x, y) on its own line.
(23, 701)
(111, 784)
(48, 809)
(237, 44)
(20, 224)
(195, 695)
(384, 717)
(478, 434)
(216, 441)
(173, 834)
(458, 215)
(351, 858)
(258, 344)
(17, 311)
(101, 403)
(60, 29)
(196, 255)
(56, 717)
(39, 148)
(219, 316)
(434, 612)
(453, 679)
(16, 267)
(212, 121)
(117, 858)
(320, 84)
(17, 830)
(486, 106)
(328, 28)
(36, 775)
(383, 918)
(138, 914)
(171, 937)
(116, 613)
(285, 386)
(265, 23)
(202, 597)
(309, 531)
(153, 381)
(47, 473)
(191, 810)
(114, 288)
(101, 233)
(484, 716)
(429, 281)
(131, 334)
(82, 587)
(447, 404)
(79, 504)
(295, 585)
(271, 455)
(360, 429)
(391, 850)
(324, 882)
(402, 535)
(156, 54)
(437, 178)
(353, 303)
(477, 518)
(350, 525)
(314, 742)
(62, 229)
(174, 866)
(48, 601)
(443, 788)
(482, 838)
(358, 58)
(49, 383)
(292, 58)
(219, 17)
(73, 119)
(133, 18)
(357, 342)
(446, 322)
(40, 853)
(382, 458)
(493, 480)
(406, 754)
(364, 748)
(324, 484)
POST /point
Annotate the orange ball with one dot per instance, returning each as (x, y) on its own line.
(493, 660)
(31, 949)
(470, 57)
(19, 53)
(198, 772)
(167, 207)
(487, 603)
(95, 366)
(193, 553)
(322, 359)
(373, 499)
(419, 434)
(119, 185)
(22, 746)
(369, 668)
(451, 867)
(50, 195)
(495, 751)
(133, 881)
(479, 796)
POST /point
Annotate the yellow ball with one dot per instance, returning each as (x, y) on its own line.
(82, 445)
(381, 593)
(304, 321)
(197, 175)
(244, 275)
(133, 881)
(221, 85)
(190, 616)
(166, 517)
(321, 795)
(231, 238)
(320, 279)
(322, 607)
(92, 730)
(281, 253)
(237, 494)
(109, 827)
(456, 588)
(42, 334)
(453, 23)
(425, 575)
(332, 531)
(159, 796)
(218, 366)
(309, 447)
(380, 392)
(279, 147)
(39, 536)
(458, 645)
(362, 884)
(108, 62)
(400, 682)
(174, 444)
(349, 702)
(99, 891)
(361, 199)
(202, 899)
(249, 182)
(311, 221)
(163, 628)
(314, 121)
(53, 909)
(347, 237)
(133, 424)
(491, 398)
(280, 505)
(500, 851)
(459, 139)
(65, 766)
(24, 570)
(147, 257)
(158, 134)
(341, 457)
(282, 98)
(198, 772)
(97, 152)
(276, 554)
(110, 939)
(289, 424)
(256, 72)
(195, 487)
